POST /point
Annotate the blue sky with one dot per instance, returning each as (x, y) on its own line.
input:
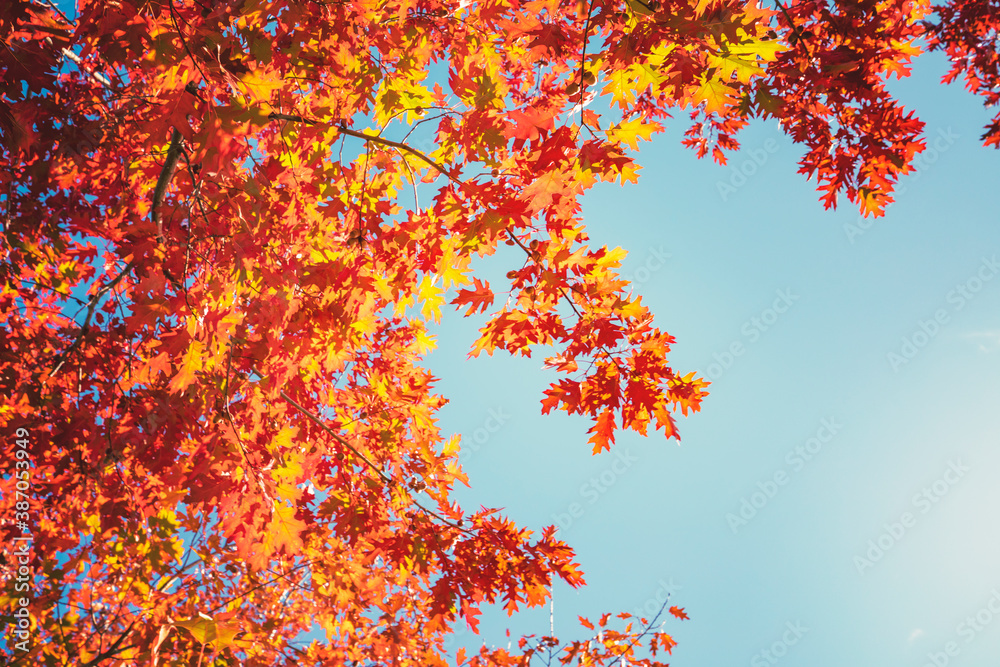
(902, 451)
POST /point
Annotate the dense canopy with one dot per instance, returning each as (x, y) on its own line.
(227, 227)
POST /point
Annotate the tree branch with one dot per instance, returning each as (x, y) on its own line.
(373, 138)
(113, 649)
(386, 478)
(582, 85)
(413, 151)
(403, 147)
(96, 76)
(336, 436)
(91, 308)
(796, 31)
(262, 585)
(167, 173)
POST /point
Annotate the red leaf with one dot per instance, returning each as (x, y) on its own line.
(479, 299)
(679, 612)
(528, 123)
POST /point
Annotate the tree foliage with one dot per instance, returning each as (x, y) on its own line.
(228, 225)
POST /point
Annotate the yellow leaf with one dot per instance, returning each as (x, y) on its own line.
(632, 310)
(629, 132)
(259, 84)
(283, 440)
(191, 364)
(452, 446)
(731, 64)
(285, 479)
(620, 87)
(630, 173)
(612, 257)
(431, 297)
(744, 59)
(540, 192)
(641, 7)
(453, 268)
(716, 95)
(207, 631)
(702, 5)
(425, 342)
(766, 50)
(382, 287)
(285, 531)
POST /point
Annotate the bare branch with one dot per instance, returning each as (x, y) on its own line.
(96, 76)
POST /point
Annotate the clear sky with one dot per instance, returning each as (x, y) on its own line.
(873, 535)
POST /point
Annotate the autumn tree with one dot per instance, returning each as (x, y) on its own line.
(227, 227)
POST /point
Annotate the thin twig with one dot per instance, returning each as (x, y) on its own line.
(336, 436)
(55, 7)
(795, 29)
(413, 180)
(373, 138)
(583, 62)
(385, 477)
(413, 151)
(403, 147)
(112, 650)
(173, 19)
(91, 308)
(232, 422)
(645, 632)
(532, 257)
(261, 585)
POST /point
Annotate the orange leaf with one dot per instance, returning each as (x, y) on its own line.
(603, 431)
